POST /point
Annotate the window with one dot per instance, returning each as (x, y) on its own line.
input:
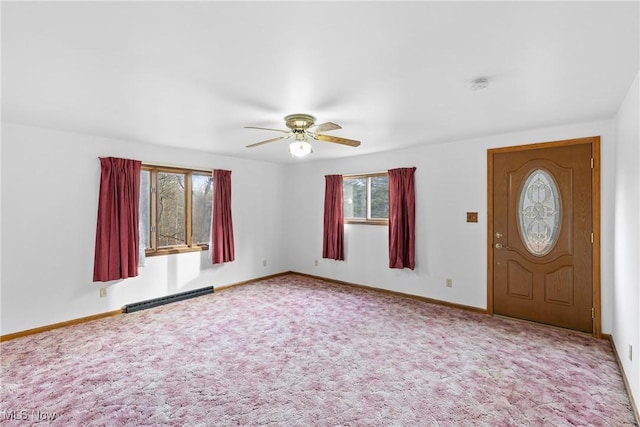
(175, 209)
(366, 198)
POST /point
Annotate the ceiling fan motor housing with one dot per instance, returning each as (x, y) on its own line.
(299, 121)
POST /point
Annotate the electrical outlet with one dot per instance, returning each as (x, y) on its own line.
(449, 283)
(264, 262)
(630, 352)
(103, 292)
(315, 263)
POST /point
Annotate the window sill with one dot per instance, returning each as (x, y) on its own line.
(171, 251)
(367, 222)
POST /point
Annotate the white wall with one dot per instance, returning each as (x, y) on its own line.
(451, 179)
(50, 184)
(626, 296)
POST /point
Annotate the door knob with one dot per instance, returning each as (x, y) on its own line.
(498, 246)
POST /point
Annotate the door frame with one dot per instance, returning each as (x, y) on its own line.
(595, 211)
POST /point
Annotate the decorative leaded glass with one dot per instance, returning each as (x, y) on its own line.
(539, 212)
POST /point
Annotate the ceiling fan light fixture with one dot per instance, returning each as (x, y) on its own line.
(300, 148)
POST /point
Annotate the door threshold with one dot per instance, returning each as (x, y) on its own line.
(531, 322)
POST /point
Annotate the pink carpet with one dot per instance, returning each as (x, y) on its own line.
(294, 351)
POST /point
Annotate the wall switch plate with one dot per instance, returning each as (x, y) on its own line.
(449, 283)
(264, 262)
(472, 216)
(103, 292)
(630, 352)
(315, 263)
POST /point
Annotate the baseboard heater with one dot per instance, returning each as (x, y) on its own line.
(142, 305)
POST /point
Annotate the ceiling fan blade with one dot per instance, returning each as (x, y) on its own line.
(276, 130)
(338, 140)
(324, 127)
(267, 141)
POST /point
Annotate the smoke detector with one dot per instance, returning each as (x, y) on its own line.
(478, 84)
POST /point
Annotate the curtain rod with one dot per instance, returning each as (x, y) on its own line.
(161, 165)
(355, 175)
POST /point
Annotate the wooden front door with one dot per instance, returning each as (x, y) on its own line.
(542, 237)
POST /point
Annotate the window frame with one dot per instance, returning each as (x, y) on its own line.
(189, 246)
(368, 220)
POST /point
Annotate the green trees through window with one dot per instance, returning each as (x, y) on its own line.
(171, 209)
(366, 198)
(175, 209)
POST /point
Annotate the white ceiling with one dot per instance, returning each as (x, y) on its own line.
(393, 74)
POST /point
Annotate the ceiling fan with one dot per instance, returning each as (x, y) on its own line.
(301, 127)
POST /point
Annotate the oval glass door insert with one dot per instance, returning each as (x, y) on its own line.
(539, 212)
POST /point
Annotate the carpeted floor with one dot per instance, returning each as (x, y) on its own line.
(294, 351)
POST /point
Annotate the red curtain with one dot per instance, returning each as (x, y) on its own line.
(402, 218)
(117, 234)
(222, 249)
(333, 236)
